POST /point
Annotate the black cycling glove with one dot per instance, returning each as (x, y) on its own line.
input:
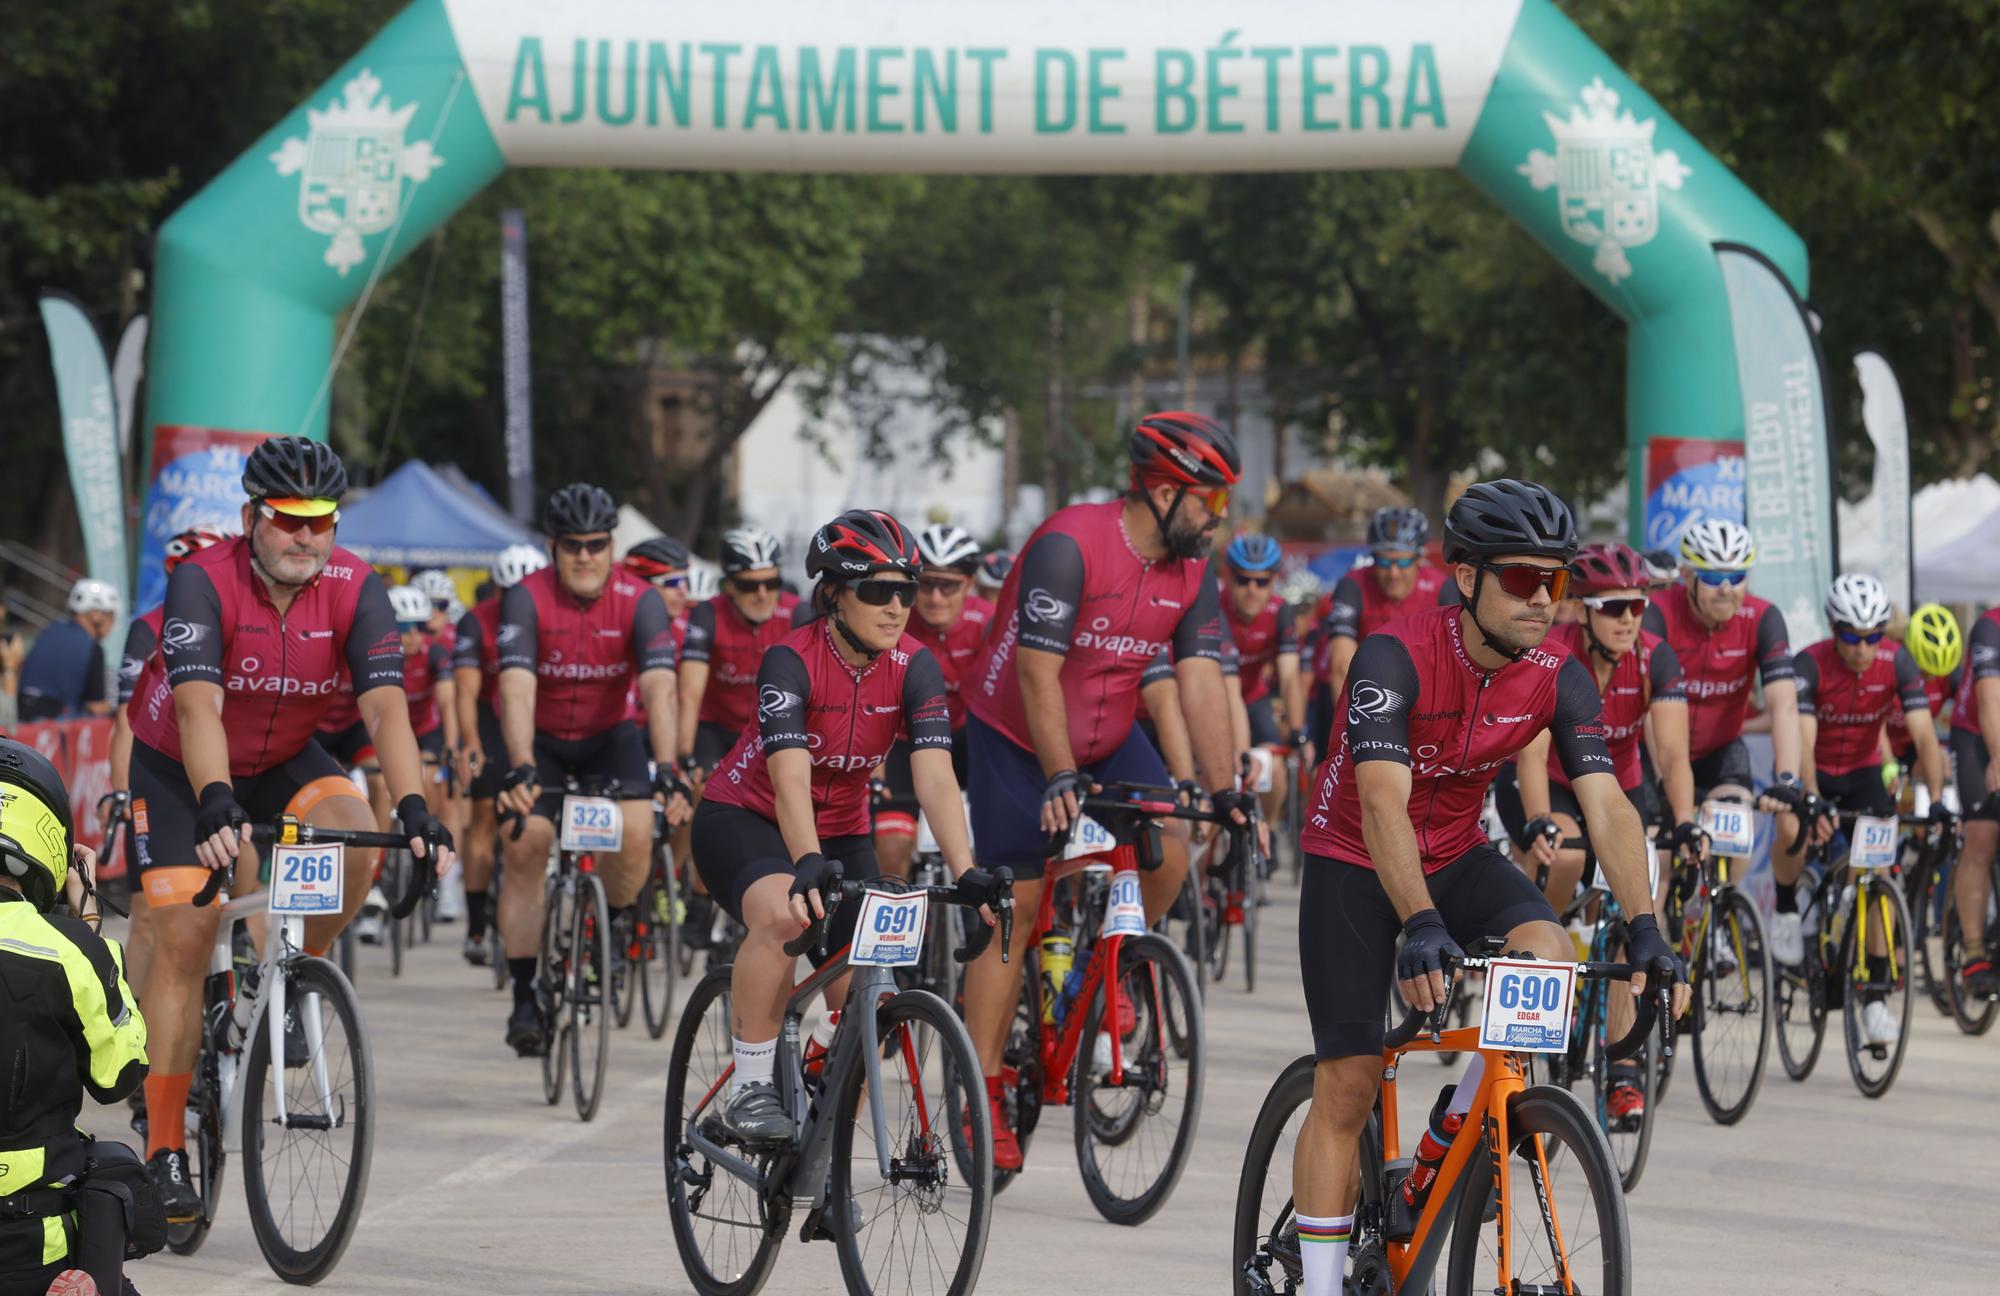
(978, 886)
(1787, 792)
(218, 811)
(1426, 945)
(518, 776)
(1064, 783)
(1192, 793)
(1650, 952)
(1230, 799)
(815, 872)
(1543, 827)
(669, 784)
(414, 813)
(1942, 816)
(1689, 837)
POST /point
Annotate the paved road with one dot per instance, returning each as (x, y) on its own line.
(478, 1187)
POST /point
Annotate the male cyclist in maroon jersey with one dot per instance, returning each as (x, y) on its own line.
(1975, 744)
(572, 636)
(1396, 582)
(951, 621)
(1261, 626)
(1097, 593)
(482, 759)
(786, 812)
(1435, 703)
(726, 640)
(256, 634)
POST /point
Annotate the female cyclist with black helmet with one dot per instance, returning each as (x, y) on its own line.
(786, 812)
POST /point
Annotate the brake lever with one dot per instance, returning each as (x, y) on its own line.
(1666, 997)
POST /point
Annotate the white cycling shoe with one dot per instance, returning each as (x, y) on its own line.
(1878, 1024)
(1788, 939)
(369, 923)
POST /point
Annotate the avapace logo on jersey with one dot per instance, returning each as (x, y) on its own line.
(576, 670)
(249, 678)
(1119, 645)
(1711, 688)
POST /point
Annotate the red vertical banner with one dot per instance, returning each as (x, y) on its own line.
(81, 752)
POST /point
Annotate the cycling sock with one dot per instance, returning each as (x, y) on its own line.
(1323, 1251)
(1788, 896)
(475, 914)
(755, 1063)
(522, 970)
(166, 1111)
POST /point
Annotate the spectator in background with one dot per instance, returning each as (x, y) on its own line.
(12, 650)
(63, 675)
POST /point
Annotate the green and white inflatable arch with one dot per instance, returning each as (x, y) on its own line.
(252, 271)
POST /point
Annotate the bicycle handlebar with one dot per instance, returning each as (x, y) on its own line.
(288, 831)
(1656, 1005)
(815, 932)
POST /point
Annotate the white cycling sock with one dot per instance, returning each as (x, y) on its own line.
(1323, 1249)
(755, 1063)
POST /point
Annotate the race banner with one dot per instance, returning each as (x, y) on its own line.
(90, 438)
(1882, 415)
(197, 478)
(1787, 445)
(126, 368)
(1689, 481)
(518, 384)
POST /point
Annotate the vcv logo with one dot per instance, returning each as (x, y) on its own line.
(352, 166)
(1606, 177)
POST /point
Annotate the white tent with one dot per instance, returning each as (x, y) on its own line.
(1956, 529)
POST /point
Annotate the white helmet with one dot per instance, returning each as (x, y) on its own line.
(515, 562)
(945, 547)
(747, 549)
(1718, 545)
(89, 595)
(703, 583)
(1857, 600)
(410, 604)
(434, 584)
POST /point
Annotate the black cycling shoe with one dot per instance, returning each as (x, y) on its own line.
(524, 1030)
(169, 1168)
(754, 1116)
(474, 950)
(1981, 979)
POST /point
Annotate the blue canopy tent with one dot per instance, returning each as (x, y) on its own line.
(417, 518)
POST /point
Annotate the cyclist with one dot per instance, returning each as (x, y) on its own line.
(1396, 582)
(63, 673)
(1434, 704)
(1938, 648)
(571, 638)
(1262, 628)
(69, 1026)
(951, 622)
(1098, 592)
(475, 673)
(1724, 635)
(428, 684)
(992, 573)
(786, 812)
(1975, 738)
(257, 631)
(726, 640)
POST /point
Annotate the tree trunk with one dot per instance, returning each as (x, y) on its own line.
(1010, 467)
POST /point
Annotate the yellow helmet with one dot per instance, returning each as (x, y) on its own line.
(36, 832)
(1934, 640)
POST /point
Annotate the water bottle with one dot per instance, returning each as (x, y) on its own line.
(1058, 956)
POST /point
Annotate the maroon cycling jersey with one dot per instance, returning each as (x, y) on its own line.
(421, 671)
(1647, 674)
(1359, 608)
(1982, 661)
(342, 711)
(140, 640)
(1090, 597)
(279, 672)
(846, 719)
(734, 647)
(1851, 706)
(1261, 642)
(476, 646)
(1938, 691)
(955, 648)
(1716, 665)
(635, 701)
(584, 655)
(1414, 696)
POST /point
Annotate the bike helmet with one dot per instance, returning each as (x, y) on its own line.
(948, 548)
(1601, 567)
(1934, 640)
(1858, 601)
(580, 509)
(704, 583)
(1183, 449)
(747, 549)
(36, 831)
(515, 563)
(1718, 545)
(89, 595)
(1496, 518)
(1251, 552)
(411, 605)
(295, 468)
(1663, 565)
(660, 556)
(861, 542)
(435, 585)
(1398, 529)
(993, 568)
(191, 542)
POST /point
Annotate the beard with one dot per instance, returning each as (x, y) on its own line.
(1185, 542)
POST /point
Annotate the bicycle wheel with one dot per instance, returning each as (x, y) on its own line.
(206, 1154)
(1874, 1063)
(1263, 1234)
(924, 1228)
(659, 939)
(1800, 1001)
(1215, 929)
(590, 990)
(304, 1178)
(1925, 891)
(1732, 1008)
(552, 977)
(1133, 1138)
(727, 1233)
(1564, 1213)
(1973, 1015)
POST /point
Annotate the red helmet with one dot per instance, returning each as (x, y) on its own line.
(1601, 567)
(191, 542)
(1183, 449)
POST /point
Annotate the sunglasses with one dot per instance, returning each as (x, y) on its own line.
(769, 585)
(292, 523)
(572, 547)
(1852, 637)
(678, 580)
(1216, 500)
(944, 585)
(878, 593)
(1410, 561)
(1617, 607)
(1521, 580)
(1255, 582)
(441, 604)
(1722, 577)
(410, 627)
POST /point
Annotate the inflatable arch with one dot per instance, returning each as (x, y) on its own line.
(252, 271)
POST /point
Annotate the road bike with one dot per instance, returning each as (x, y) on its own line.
(1232, 887)
(1973, 1013)
(650, 935)
(906, 1202)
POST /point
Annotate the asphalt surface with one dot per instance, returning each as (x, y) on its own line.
(477, 1186)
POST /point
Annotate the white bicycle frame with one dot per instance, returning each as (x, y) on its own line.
(283, 938)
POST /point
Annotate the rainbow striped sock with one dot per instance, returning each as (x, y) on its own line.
(1323, 1251)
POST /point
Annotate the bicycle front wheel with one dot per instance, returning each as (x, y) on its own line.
(1264, 1234)
(659, 939)
(304, 1176)
(206, 1154)
(1564, 1213)
(590, 995)
(1881, 915)
(1800, 999)
(1133, 1137)
(552, 985)
(1732, 1009)
(1974, 1015)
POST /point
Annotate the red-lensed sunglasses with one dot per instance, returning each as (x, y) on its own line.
(1521, 580)
(292, 523)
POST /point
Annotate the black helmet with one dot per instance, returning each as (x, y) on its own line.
(1508, 517)
(861, 542)
(293, 467)
(36, 831)
(658, 556)
(1399, 529)
(1183, 449)
(580, 509)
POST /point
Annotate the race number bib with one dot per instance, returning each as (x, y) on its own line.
(592, 824)
(1089, 837)
(1729, 827)
(306, 879)
(890, 930)
(1527, 1006)
(1260, 769)
(1125, 911)
(1874, 843)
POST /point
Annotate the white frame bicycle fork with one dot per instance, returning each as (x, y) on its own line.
(283, 939)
